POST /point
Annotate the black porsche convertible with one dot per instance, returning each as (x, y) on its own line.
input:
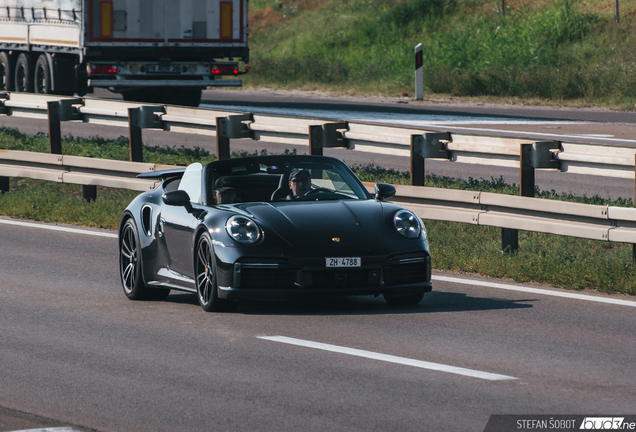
(271, 227)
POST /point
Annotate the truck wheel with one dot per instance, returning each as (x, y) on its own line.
(6, 72)
(23, 74)
(42, 76)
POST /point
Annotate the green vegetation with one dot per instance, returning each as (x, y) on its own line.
(537, 50)
(561, 261)
(98, 147)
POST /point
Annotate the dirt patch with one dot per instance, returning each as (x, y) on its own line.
(263, 19)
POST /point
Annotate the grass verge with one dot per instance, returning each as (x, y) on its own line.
(538, 49)
(560, 261)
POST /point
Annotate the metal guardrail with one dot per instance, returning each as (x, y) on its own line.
(594, 222)
(591, 156)
(78, 170)
(526, 151)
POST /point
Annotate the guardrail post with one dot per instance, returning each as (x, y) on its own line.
(222, 141)
(531, 156)
(510, 237)
(418, 163)
(4, 96)
(526, 171)
(139, 118)
(59, 111)
(55, 130)
(89, 192)
(327, 136)
(4, 184)
(4, 181)
(231, 127)
(427, 146)
(315, 135)
(134, 137)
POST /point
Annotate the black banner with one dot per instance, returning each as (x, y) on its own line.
(541, 423)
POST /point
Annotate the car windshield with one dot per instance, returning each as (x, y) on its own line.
(274, 179)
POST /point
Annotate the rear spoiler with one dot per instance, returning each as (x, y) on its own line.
(171, 173)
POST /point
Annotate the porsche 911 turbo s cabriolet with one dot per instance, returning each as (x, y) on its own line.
(271, 227)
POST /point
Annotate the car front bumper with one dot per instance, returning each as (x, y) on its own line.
(267, 279)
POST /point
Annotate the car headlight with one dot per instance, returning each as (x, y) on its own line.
(407, 224)
(243, 230)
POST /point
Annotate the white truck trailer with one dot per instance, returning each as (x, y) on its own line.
(164, 51)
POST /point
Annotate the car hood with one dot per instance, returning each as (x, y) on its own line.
(322, 223)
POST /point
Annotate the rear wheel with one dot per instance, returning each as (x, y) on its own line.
(42, 76)
(23, 74)
(407, 300)
(130, 269)
(205, 272)
(6, 72)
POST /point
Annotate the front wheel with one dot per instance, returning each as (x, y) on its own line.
(407, 300)
(205, 271)
(130, 268)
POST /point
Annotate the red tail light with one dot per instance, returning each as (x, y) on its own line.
(102, 69)
(224, 69)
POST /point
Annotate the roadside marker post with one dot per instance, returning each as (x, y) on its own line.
(419, 76)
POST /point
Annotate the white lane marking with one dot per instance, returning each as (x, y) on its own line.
(57, 228)
(389, 358)
(55, 429)
(536, 291)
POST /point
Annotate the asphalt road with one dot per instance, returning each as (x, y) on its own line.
(621, 125)
(75, 352)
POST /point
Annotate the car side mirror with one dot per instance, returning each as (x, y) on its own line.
(384, 191)
(178, 198)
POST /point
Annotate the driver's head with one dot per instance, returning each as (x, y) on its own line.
(224, 195)
(299, 182)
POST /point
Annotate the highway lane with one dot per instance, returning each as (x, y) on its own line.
(74, 350)
(533, 119)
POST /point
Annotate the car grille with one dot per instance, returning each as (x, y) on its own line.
(338, 279)
(407, 270)
(398, 274)
(275, 278)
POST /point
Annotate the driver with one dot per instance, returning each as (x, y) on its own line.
(299, 183)
(224, 195)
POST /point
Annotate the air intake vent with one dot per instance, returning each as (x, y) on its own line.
(146, 220)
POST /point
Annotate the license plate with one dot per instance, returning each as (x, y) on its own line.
(343, 262)
(155, 68)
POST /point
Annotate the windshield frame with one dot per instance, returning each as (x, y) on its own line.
(280, 166)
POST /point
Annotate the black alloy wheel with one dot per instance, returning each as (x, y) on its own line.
(205, 271)
(130, 269)
(23, 79)
(42, 76)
